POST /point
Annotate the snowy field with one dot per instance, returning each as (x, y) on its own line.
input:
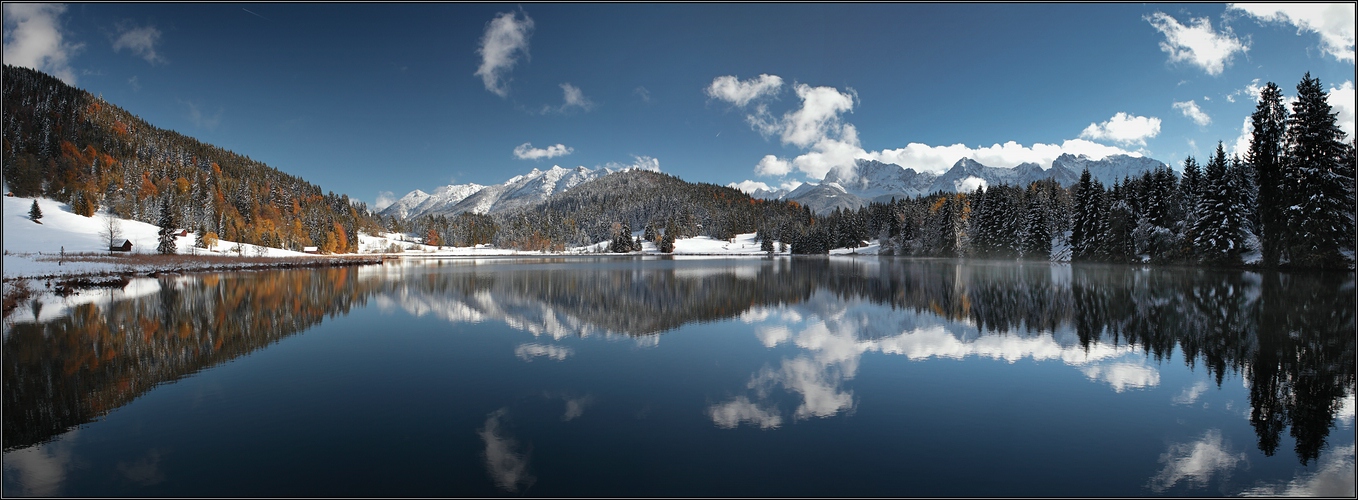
(35, 250)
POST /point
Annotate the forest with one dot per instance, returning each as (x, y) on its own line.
(63, 143)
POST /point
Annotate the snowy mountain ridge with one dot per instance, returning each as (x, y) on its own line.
(869, 180)
(519, 191)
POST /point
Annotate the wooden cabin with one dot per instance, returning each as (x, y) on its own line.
(125, 247)
(311, 250)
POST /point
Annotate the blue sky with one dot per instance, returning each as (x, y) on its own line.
(375, 100)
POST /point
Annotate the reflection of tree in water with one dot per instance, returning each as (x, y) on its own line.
(76, 368)
(1291, 336)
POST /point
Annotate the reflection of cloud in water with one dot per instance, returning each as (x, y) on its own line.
(1344, 415)
(1334, 479)
(730, 414)
(1191, 394)
(527, 352)
(1123, 376)
(1195, 462)
(837, 334)
(576, 407)
(145, 471)
(40, 470)
(817, 383)
(507, 466)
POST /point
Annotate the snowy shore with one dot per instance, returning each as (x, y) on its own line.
(66, 245)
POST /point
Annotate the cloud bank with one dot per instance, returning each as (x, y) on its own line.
(505, 39)
(817, 127)
(526, 151)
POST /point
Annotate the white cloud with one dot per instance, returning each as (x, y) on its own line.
(1242, 142)
(506, 465)
(1253, 90)
(969, 184)
(1333, 22)
(526, 151)
(740, 93)
(1195, 462)
(772, 165)
(1191, 110)
(644, 94)
(1124, 129)
(573, 98)
(527, 352)
(33, 39)
(1198, 44)
(1341, 100)
(505, 38)
(140, 41)
(639, 162)
(748, 186)
(818, 118)
(384, 200)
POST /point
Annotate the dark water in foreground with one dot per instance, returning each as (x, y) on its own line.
(731, 377)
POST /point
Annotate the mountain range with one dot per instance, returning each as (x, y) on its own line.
(869, 181)
(872, 180)
(517, 192)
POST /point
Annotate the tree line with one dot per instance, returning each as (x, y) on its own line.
(1289, 201)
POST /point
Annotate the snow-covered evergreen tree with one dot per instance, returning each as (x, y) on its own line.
(1321, 216)
(167, 229)
(35, 213)
(1219, 231)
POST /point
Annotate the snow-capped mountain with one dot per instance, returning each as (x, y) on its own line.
(520, 191)
(871, 180)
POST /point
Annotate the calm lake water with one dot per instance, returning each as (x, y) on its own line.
(697, 377)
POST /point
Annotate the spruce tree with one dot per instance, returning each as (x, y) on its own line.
(1084, 237)
(1037, 240)
(1321, 215)
(1266, 154)
(1219, 229)
(35, 213)
(167, 229)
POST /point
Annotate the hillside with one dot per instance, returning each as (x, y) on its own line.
(635, 199)
(63, 143)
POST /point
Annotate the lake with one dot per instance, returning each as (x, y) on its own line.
(658, 376)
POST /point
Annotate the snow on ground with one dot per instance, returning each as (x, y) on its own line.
(32, 249)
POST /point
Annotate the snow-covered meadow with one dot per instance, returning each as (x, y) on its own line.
(36, 249)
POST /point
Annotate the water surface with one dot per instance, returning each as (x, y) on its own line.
(687, 377)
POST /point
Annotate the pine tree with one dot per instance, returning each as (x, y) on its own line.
(1321, 215)
(1037, 241)
(167, 229)
(1084, 237)
(35, 213)
(1266, 154)
(1219, 228)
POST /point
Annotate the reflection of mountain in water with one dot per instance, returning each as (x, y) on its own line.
(563, 301)
(1289, 335)
(78, 367)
